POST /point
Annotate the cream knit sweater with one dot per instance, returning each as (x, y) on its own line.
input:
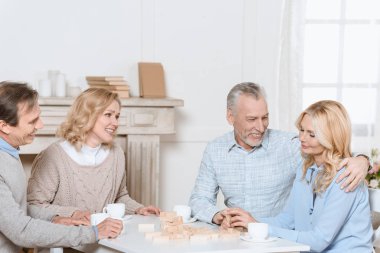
(60, 184)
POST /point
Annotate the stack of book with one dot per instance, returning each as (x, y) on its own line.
(116, 84)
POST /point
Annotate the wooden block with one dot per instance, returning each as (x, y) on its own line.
(227, 219)
(177, 220)
(161, 238)
(214, 235)
(171, 222)
(240, 229)
(229, 235)
(231, 230)
(201, 231)
(146, 228)
(173, 229)
(151, 235)
(179, 237)
(168, 214)
(200, 237)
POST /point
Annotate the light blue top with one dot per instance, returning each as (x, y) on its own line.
(7, 148)
(259, 181)
(336, 222)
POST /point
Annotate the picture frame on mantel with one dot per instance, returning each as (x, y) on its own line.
(151, 80)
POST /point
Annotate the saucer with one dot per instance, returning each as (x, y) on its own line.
(250, 239)
(127, 217)
(189, 221)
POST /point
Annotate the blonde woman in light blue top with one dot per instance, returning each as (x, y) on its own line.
(318, 213)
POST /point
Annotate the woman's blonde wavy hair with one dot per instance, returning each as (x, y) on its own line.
(332, 128)
(83, 114)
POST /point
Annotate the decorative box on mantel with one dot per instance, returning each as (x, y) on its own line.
(142, 121)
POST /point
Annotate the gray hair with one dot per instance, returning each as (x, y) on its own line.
(246, 88)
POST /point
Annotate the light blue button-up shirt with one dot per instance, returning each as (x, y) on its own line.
(334, 221)
(259, 181)
(7, 148)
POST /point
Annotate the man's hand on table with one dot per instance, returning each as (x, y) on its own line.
(84, 216)
(148, 210)
(70, 221)
(109, 228)
(236, 217)
(218, 218)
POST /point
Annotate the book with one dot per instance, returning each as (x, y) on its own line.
(110, 87)
(105, 78)
(151, 80)
(122, 93)
(90, 82)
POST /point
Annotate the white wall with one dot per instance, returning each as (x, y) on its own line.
(206, 46)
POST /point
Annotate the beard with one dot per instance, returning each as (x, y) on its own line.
(250, 138)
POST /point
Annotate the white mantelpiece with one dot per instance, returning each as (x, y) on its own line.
(142, 121)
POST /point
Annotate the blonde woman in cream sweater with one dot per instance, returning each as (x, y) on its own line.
(85, 170)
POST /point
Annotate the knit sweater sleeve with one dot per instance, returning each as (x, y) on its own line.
(122, 196)
(23, 230)
(43, 185)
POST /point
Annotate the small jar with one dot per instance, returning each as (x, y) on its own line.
(60, 86)
(44, 88)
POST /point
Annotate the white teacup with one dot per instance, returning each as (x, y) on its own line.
(116, 210)
(184, 211)
(258, 231)
(97, 218)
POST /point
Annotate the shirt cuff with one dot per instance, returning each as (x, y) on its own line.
(95, 228)
(207, 214)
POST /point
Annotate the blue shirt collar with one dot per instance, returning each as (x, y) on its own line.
(312, 172)
(315, 167)
(233, 143)
(7, 148)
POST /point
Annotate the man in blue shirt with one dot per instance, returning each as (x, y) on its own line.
(253, 166)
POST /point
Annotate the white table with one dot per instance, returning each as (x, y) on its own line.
(132, 241)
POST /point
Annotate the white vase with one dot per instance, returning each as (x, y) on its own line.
(53, 78)
(60, 88)
(44, 88)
